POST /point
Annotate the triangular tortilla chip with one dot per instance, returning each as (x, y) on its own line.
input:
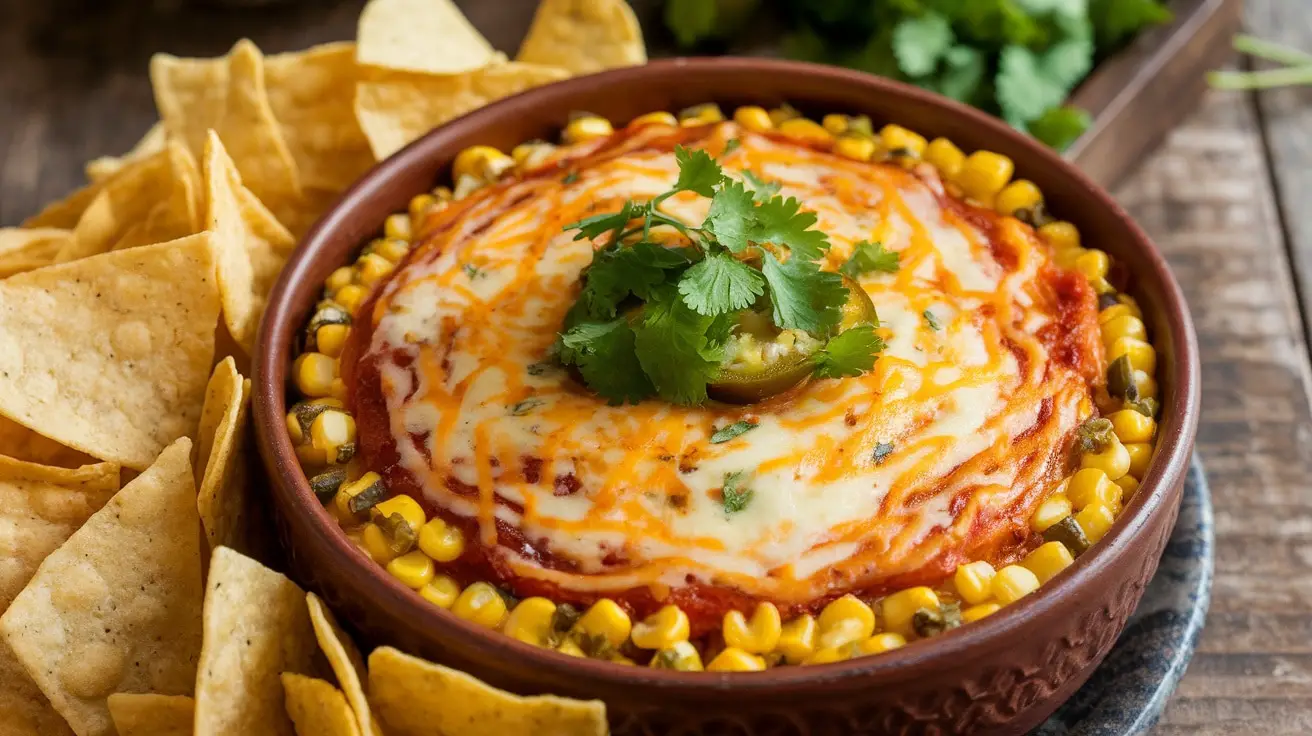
(23, 249)
(220, 461)
(252, 245)
(584, 36)
(40, 508)
(117, 607)
(316, 707)
(316, 118)
(414, 697)
(110, 354)
(395, 108)
(256, 628)
(152, 141)
(65, 213)
(345, 660)
(401, 34)
(20, 443)
(228, 95)
(151, 714)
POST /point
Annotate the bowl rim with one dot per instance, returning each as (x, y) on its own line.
(1169, 463)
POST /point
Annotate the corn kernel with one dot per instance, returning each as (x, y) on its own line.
(897, 138)
(310, 457)
(805, 130)
(1147, 385)
(784, 112)
(1091, 485)
(1141, 454)
(897, 609)
(294, 428)
(681, 656)
(1021, 194)
(660, 117)
(338, 389)
(757, 636)
(330, 339)
(587, 129)
(408, 508)
(1114, 460)
(1012, 583)
(735, 660)
(571, 647)
(1053, 509)
(1131, 426)
(530, 622)
(373, 268)
(414, 569)
(346, 496)
(442, 541)
(1095, 520)
(1060, 234)
(753, 118)
(480, 603)
(877, 644)
(946, 157)
(1129, 301)
(855, 148)
(843, 621)
(397, 226)
(483, 163)
(1142, 355)
(700, 114)
(392, 249)
(351, 297)
(606, 619)
(1124, 326)
(1114, 311)
(331, 432)
(974, 581)
(313, 374)
(1128, 483)
(984, 174)
(1047, 560)
(662, 629)
(1093, 264)
(342, 276)
(441, 591)
(834, 123)
(828, 655)
(797, 639)
(975, 613)
(420, 205)
(376, 544)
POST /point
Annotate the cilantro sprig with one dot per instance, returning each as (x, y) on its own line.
(655, 313)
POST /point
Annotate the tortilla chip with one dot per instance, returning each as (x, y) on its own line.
(151, 714)
(20, 443)
(584, 36)
(228, 95)
(105, 166)
(256, 627)
(414, 697)
(345, 660)
(429, 36)
(316, 707)
(23, 249)
(395, 108)
(309, 95)
(110, 354)
(252, 245)
(65, 213)
(220, 462)
(117, 607)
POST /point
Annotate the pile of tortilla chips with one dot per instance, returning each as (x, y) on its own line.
(132, 523)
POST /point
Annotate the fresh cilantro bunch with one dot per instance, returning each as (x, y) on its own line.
(653, 320)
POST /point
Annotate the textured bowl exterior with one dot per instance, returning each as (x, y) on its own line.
(1001, 675)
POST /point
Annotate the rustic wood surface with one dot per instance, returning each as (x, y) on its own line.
(1225, 198)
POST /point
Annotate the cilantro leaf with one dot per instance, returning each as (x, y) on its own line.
(882, 451)
(867, 256)
(730, 146)
(931, 320)
(761, 189)
(724, 434)
(1024, 90)
(690, 20)
(849, 353)
(1059, 127)
(920, 41)
(605, 356)
(720, 284)
(1114, 21)
(962, 73)
(731, 215)
(803, 296)
(781, 221)
(593, 227)
(673, 348)
(698, 172)
(618, 271)
(735, 492)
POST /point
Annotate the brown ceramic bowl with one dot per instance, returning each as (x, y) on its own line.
(1000, 675)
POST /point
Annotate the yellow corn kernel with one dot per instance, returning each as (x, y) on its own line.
(606, 619)
(843, 621)
(1114, 311)
(442, 541)
(1114, 460)
(735, 660)
(1060, 234)
(1091, 485)
(330, 432)
(757, 636)
(373, 268)
(1128, 483)
(338, 389)
(1053, 509)
(1147, 385)
(945, 156)
(662, 629)
(329, 339)
(1123, 327)
(420, 204)
(530, 622)
(1049, 559)
(294, 428)
(805, 130)
(313, 374)
(857, 148)
(897, 138)
(660, 117)
(828, 655)
(571, 647)
(877, 644)
(897, 609)
(342, 276)
(351, 297)
(1142, 355)
(1095, 520)
(797, 639)
(1021, 194)
(834, 123)
(700, 114)
(975, 613)
(974, 581)
(376, 544)
(310, 457)
(984, 174)
(587, 128)
(348, 491)
(414, 569)
(482, 604)
(483, 163)
(1131, 426)
(1129, 301)
(1012, 583)
(397, 226)
(681, 656)
(392, 249)
(1093, 264)
(782, 113)
(1141, 454)
(407, 507)
(441, 591)
(753, 118)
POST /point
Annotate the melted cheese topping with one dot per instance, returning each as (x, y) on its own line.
(978, 413)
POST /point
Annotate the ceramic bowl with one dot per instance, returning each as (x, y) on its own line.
(1003, 674)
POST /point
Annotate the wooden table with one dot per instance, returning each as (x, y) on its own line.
(1225, 198)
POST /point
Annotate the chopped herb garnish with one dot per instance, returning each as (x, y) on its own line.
(761, 188)
(724, 434)
(731, 145)
(401, 537)
(849, 353)
(736, 495)
(931, 320)
(867, 256)
(570, 178)
(471, 270)
(882, 451)
(525, 406)
(1094, 435)
(1146, 406)
(928, 622)
(1070, 533)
